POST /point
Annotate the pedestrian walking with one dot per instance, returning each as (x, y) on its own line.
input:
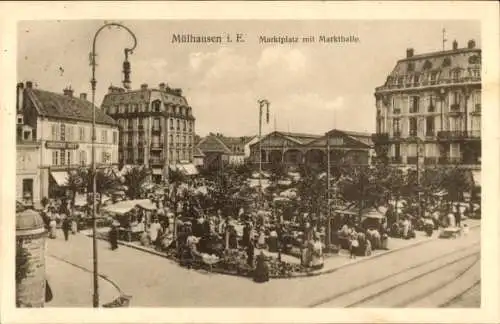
(458, 216)
(353, 248)
(66, 227)
(52, 228)
(74, 225)
(113, 237)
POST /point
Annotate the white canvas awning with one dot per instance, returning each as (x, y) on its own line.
(60, 177)
(189, 169)
(157, 171)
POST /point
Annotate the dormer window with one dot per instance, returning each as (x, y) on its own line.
(446, 62)
(411, 66)
(427, 65)
(474, 59)
(20, 120)
(156, 106)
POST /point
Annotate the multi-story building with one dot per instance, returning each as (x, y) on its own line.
(157, 127)
(62, 127)
(294, 149)
(429, 109)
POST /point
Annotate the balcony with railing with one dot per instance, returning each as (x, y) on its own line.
(431, 160)
(477, 109)
(459, 135)
(395, 160)
(411, 160)
(156, 161)
(455, 108)
(430, 83)
(156, 146)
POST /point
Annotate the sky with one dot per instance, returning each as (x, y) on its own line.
(311, 87)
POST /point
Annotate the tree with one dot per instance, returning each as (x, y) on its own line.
(75, 183)
(134, 179)
(362, 186)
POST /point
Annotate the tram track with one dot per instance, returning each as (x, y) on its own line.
(367, 292)
(382, 296)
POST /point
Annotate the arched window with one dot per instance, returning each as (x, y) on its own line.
(156, 106)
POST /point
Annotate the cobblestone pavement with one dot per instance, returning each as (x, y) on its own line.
(156, 281)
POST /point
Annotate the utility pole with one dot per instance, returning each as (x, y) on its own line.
(328, 184)
(262, 103)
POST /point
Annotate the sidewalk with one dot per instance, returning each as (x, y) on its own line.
(72, 284)
(332, 263)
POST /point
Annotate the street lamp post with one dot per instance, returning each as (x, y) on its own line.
(93, 82)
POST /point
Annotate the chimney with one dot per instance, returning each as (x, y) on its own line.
(162, 86)
(29, 84)
(68, 92)
(20, 97)
(83, 96)
(471, 44)
(409, 52)
(144, 86)
(455, 45)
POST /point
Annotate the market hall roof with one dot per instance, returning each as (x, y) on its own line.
(62, 106)
(351, 139)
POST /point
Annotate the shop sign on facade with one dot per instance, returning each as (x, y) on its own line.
(61, 145)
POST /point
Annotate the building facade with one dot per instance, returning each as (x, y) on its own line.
(294, 150)
(157, 127)
(27, 162)
(62, 127)
(429, 109)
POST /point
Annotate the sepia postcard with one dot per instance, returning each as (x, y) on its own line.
(256, 162)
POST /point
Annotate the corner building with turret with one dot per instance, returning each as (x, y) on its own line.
(157, 127)
(429, 110)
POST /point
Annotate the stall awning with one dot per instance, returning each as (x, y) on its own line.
(476, 176)
(157, 171)
(189, 169)
(60, 177)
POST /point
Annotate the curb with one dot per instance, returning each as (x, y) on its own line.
(327, 271)
(298, 275)
(103, 276)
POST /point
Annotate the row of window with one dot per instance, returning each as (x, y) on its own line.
(138, 123)
(427, 149)
(454, 124)
(156, 106)
(155, 140)
(432, 77)
(63, 132)
(174, 155)
(65, 157)
(455, 99)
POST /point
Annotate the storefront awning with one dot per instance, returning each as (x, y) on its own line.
(189, 169)
(60, 177)
(476, 176)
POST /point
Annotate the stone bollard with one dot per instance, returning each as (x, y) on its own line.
(30, 259)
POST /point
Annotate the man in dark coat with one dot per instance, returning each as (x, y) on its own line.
(113, 237)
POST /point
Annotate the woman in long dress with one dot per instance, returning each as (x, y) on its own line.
(53, 228)
(316, 253)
